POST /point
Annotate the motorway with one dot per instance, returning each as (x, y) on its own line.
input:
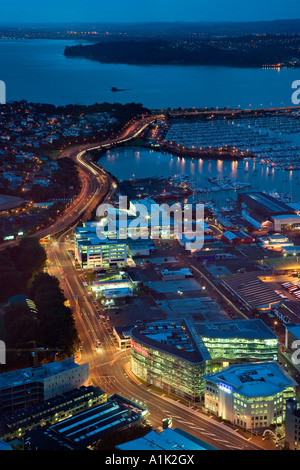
(95, 181)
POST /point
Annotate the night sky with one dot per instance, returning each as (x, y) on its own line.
(57, 11)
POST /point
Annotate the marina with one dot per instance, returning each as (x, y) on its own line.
(272, 139)
(200, 176)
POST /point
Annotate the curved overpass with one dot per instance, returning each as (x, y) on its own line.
(95, 181)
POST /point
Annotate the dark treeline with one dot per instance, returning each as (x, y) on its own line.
(52, 324)
(122, 112)
(246, 51)
(17, 264)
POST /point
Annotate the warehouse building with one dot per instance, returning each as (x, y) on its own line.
(275, 241)
(237, 237)
(172, 275)
(264, 208)
(251, 291)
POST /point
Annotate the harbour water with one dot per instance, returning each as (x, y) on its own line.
(37, 70)
(137, 163)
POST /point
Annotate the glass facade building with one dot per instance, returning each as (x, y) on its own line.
(166, 355)
(239, 341)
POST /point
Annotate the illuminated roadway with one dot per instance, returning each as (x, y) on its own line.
(108, 365)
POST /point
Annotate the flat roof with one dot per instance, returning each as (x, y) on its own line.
(9, 202)
(42, 410)
(253, 379)
(252, 289)
(169, 439)
(175, 338)
(244, 329)
(272, 205)
(294, 328)
(291, 248)
(36, 373)
(86, 428)
(286, 216)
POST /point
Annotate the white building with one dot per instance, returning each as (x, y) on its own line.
(249, 395)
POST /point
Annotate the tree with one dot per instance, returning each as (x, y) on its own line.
(21, 325)
(57, 325)
(29, 256)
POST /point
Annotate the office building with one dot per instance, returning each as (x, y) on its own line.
(238, 341)
(93, 252)
(170, 356)
(24, 387)
(249, 395)
(292, 425)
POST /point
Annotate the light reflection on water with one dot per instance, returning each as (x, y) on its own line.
(146, 163)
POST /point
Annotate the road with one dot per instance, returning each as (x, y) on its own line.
(108, 365)
(95, 182)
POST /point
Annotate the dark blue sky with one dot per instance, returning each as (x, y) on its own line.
(18, 11)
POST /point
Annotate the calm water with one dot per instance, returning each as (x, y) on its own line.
(36, 70)
(131, 163)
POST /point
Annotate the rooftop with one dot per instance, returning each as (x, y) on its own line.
(253, 379)
(86, 428)
(176, 338)
(33, 374)
(42, 410)
(244, 329)
(169, 439)
(268, 203)
(252, 289)
(294, 328)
